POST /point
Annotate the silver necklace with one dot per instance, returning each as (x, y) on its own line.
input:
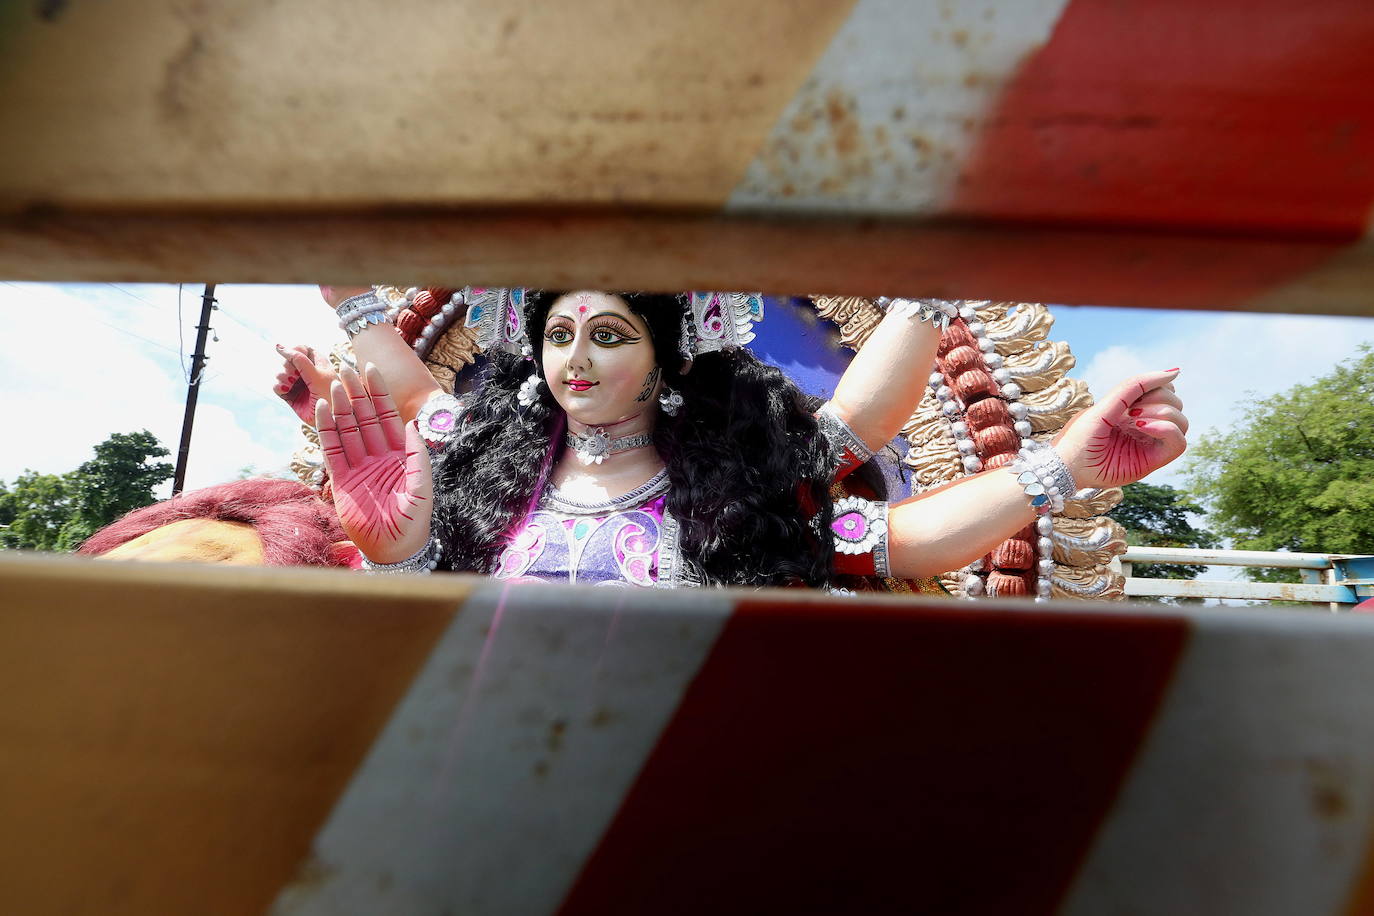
(655, 486)
(596, 446)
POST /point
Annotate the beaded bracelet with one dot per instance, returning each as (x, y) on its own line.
(423, 561)
(1044, 476)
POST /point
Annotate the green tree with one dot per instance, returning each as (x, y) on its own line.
(1157, 516)
(58, 512)
(1299, 473)
(34, 507)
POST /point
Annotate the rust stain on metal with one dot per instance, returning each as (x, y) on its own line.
(844, 127)
(1329, 783)
(557, 729)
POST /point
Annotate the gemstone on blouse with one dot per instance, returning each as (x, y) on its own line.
(441, 420)
(851, 526)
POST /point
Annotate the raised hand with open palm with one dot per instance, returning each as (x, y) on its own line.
(378, 467)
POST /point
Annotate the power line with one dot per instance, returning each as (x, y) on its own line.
(247, 327)
(135, 295)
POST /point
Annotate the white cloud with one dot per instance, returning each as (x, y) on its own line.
(1224, 358)
(106, 358)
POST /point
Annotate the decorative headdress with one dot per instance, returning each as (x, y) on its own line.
(498, 317)
(710, 321)
(719, 321)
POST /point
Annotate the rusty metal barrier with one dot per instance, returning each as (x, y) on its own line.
(1128, 152)
(199, 739)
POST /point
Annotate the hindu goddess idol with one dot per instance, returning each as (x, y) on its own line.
(630, 439)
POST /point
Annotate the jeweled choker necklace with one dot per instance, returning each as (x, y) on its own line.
(596, 446)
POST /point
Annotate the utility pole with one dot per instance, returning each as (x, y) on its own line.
(198, 360)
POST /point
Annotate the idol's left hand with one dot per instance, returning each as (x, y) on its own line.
(1136, 429)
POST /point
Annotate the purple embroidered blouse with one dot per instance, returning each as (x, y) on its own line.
(616, 542)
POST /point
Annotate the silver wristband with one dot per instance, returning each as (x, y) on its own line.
(362, 322)
(939, 312)
(360, 303)
(422, 562)
(1044, 476)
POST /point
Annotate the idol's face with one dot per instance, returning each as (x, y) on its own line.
(599, 359)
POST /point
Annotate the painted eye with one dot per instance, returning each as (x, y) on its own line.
(558, 336)
(607, 337)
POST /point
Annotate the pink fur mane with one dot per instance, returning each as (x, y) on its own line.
(296, 527)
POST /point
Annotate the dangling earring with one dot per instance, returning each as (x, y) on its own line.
(670, 401)
(529, 390)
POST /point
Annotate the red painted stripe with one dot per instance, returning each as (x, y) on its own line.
(869, 758)
(1236, 116)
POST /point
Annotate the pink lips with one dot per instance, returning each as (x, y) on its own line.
(578, 384)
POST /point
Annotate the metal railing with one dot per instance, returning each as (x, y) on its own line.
(1338, 580)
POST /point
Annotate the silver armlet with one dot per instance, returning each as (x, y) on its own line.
(841, 437)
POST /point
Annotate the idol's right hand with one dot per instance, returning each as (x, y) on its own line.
(304, 379)
(378, 467)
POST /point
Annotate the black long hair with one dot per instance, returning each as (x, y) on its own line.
(750, 474)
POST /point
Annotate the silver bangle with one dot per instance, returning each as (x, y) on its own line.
(1044, 476)
(357, 313)
(364, 321)
(939, 312)
(360, 302)
(422, 562)
(346, 317)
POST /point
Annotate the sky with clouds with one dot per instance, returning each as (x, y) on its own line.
(81, 361)
(113, 358)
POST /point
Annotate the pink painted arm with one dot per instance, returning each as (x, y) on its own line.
(378, 467)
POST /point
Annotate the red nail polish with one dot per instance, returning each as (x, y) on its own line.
(1175, 369)
(1135, 412)
(1139, 422)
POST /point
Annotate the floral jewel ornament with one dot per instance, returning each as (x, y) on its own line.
(671, 401)
(439, 418)
(529, 390)
(860, 526)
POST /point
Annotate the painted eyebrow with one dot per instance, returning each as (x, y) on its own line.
(619, 317)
